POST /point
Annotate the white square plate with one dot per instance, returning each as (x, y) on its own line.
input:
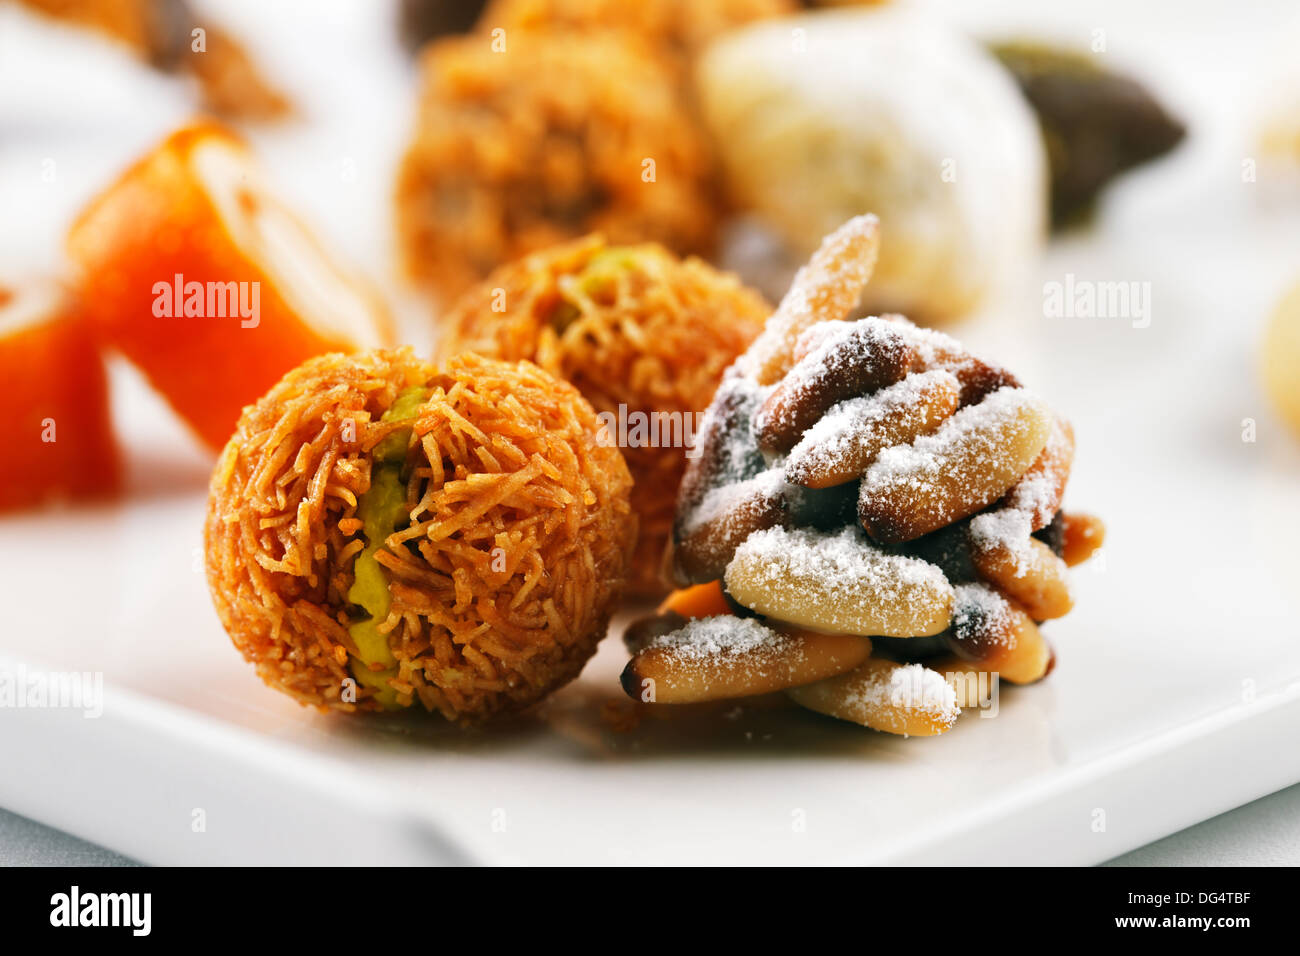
(1176, 695)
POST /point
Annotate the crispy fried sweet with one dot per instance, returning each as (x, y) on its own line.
(539, 136)
(381, 533)
(874, 479)
(193, 270)
(54, 424)
(644, 336)
(677, 28)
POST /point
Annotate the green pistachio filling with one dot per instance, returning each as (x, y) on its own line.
(602, 272)
(382, 510)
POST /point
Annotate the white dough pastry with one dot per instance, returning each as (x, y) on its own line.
(828, 115)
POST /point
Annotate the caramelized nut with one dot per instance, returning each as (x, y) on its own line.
(969, 463)
(828, 288)
(722, 521)
(936, 350)
(644, 630)
(1022, 567)
(994, 635)
(841, 446)
(907, 699)
(719, 658)
(1082, 535)
(725, 451)
(860, 358)
(1040, 490)
(839, 583)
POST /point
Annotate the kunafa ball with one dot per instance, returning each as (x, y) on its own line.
(644, 335)
(386, 534)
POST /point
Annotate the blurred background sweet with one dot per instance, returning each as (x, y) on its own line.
(172, 37)
(829, 115)
(546, 137)
(1095, 123)
(1280, 358)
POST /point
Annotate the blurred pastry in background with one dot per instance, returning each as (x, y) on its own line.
(678, 29)
(420, 21)
(1279, 138)
(644, 335)
(1280, 358)
(1277, 144)
(162, 32)
(1096, 123)
(55, 429)
(191, 268)
(537, 137)
(386, 534)
(827, 115)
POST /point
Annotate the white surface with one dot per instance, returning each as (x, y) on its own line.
(1175, 697)
(1263, 833)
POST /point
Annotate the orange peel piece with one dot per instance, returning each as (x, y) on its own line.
(55, 428)
(193, 270)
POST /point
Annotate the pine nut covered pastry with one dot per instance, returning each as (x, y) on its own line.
(872, 523)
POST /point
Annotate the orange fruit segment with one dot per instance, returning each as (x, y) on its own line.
(55, 427)
(201, 277)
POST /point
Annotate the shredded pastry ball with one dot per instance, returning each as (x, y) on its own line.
(510, 536)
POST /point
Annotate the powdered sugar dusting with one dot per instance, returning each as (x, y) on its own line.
(1035, 495)
(1038, 492)
(731, 499)
(844, 564)
(705, 637)
(833, 266)
(1006, 530)
(980, 615)
(911, 687)
(727, 422)
(976, 433)
(711, 644)
(934, 349)
(728, 454)
(850, 425)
